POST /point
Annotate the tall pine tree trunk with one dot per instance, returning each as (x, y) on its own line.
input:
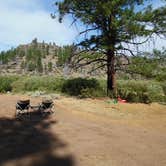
(110, 72)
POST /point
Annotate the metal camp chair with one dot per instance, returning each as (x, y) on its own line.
(22, 106)
(46, 106)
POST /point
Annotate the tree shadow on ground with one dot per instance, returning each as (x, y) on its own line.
(29, 142)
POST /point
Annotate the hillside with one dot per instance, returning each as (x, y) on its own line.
(30, 58)
(41, 58)
(49, 59)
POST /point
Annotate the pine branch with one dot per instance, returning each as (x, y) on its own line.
(87, 30)
(97, 68)
(89, 62)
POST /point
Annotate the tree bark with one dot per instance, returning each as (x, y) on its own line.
(111, 86)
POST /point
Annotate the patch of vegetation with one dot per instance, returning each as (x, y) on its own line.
(6, 56)
(6, 83)
(33, 83)
(149, 65)
(50, 66)
(65, 53)
(82, 87)
(141, 91)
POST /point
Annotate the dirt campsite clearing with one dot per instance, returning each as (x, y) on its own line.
(83, 132)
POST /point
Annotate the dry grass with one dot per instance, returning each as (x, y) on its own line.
(91, 132)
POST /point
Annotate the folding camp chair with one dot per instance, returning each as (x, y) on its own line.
(46, 106)
(22, 106)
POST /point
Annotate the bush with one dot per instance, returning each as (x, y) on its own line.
(140, 91)
(80, 87)
(34, 83)
(164, 87)
(6, 83)
(75, 87)
(131, 90)
(91, 92)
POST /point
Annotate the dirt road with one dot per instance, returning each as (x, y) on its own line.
(83, 133)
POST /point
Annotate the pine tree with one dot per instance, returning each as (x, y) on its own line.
(111, 25)
(47, 50)
(39, 65)
(50, 66)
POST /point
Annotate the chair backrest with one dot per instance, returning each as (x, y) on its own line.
(47, 104)
(23, 104)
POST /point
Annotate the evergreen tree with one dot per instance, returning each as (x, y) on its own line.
(45, 68)
(47, 50)
(35, 43)
(65, 54)
(2, 57)
(31, 66)
(50, 66)
(39, 65)
(113, 24)
(6, 56)
(43, 49)
(21, 53)
(22, 65)
(150, 65)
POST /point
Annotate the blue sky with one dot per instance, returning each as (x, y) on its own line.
(24, 20)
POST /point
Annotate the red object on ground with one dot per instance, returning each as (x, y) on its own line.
(121, 100)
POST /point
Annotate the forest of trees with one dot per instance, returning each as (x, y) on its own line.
(146, 65)
(7, 56)
(33, 55)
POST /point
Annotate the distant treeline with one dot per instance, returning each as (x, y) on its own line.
(43, 57)
(32, 55)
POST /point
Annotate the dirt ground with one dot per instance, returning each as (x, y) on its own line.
(89, 132)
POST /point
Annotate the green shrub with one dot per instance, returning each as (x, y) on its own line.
(33, 83)
(19, 85)
(6, 83)
(161, 76)
(164, 87)
(77, 86)
(55, 84)
(31, 66)
(91, 92)
(156, 92)
(133, 91)
(140, 91)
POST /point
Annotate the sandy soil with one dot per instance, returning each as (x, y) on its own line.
(89, 132)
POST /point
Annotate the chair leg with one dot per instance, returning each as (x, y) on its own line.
(44, 113)
(52, 109)
(27, 113)
(17, 113)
